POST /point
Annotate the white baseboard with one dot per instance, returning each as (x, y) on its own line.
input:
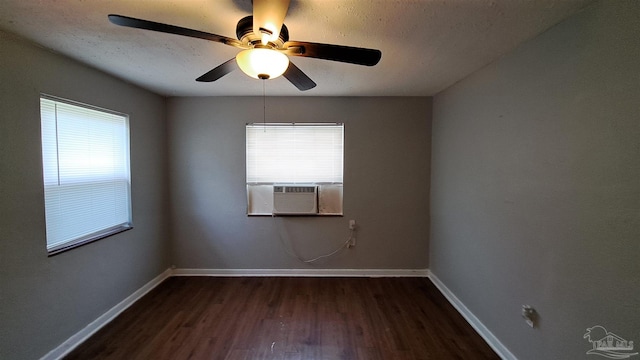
(77, 339)
(304, 272)
(479, 327)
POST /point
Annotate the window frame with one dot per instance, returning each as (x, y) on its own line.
(105, 231)
(330, 193)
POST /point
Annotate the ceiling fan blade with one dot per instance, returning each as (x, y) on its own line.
(298, 78)
(268, 17)
(219, 71)
(348, 54)
(172, 29)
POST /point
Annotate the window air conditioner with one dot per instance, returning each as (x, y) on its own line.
(295, 200)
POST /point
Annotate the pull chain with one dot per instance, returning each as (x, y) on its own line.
(264, 108)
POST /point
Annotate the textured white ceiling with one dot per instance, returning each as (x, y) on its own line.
(427, 45)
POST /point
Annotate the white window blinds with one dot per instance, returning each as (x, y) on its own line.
(85, 159)
(295, 153)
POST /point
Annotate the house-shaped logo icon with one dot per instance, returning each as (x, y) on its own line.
(608, 344)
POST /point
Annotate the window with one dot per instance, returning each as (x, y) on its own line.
(85, 162)
(301, 154)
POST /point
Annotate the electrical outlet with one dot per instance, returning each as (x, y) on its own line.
(352, 235)
(530, 315)
(352, 224)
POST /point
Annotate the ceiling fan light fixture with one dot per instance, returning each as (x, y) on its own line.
(260, 63)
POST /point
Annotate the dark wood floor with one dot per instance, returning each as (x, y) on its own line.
(288, 318)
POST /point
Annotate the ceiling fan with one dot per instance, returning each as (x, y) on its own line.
(264, 40)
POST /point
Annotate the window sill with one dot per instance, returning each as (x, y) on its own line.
(88, 239)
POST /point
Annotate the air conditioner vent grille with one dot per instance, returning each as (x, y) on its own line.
(294, 189)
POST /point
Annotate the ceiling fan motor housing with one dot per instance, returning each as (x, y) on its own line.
(244, 32)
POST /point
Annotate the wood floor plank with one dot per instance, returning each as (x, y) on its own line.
(288, 319)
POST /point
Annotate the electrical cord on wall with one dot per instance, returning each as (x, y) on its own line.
(292, 253)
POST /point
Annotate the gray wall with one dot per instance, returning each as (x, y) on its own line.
(44, 301)
(535, 194)
(386, 185)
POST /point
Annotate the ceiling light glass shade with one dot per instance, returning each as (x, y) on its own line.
(262, 63)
